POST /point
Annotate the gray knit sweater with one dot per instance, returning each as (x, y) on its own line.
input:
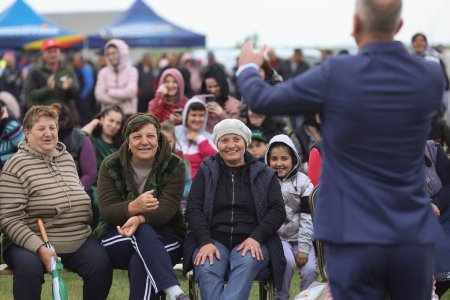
(32, 186)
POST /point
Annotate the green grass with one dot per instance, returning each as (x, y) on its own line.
(120, 287)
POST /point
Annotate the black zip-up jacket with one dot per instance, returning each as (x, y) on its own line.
(234, 208)
(269, 212)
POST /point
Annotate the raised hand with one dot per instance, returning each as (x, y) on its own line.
(247, 55)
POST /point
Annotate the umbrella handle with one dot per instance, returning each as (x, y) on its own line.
(42, 230)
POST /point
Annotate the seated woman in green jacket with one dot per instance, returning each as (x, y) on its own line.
(141, 226)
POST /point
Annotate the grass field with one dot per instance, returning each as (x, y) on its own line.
(119, 289)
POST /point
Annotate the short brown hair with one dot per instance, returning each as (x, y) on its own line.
(35, 112)
(64, 114)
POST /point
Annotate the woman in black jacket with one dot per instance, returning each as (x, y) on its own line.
(234, 210)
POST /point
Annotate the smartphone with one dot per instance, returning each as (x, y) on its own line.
(178, 111)
(209, 98)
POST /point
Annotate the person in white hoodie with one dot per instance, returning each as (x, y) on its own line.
(194, 141)
(297, 230)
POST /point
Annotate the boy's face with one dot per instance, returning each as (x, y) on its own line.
(195, 119)
(281, 160)
(257, 148)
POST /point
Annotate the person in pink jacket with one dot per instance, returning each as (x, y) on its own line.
(169, 100)
(117, 83)
(224, 106)
(194, 141)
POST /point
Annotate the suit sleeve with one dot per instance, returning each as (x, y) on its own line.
(304, 93)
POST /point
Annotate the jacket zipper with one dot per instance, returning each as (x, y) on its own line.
(232, 210)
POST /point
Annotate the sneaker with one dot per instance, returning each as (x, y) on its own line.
(182, 297)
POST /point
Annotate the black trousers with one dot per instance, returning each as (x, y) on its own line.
(148, 257)
(91, 262)
(371, 272)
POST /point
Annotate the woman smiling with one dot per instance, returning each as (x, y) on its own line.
(169, 99)
(195, 142)
(234, 210)
(41, 181)
(139, 189)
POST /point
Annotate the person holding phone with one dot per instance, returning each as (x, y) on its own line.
(223, 106)
(169, 100)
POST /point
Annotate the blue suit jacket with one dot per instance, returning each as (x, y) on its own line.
(377, 109)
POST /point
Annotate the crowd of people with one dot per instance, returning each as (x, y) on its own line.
(144, 167)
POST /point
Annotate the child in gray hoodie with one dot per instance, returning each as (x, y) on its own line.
(297, 230)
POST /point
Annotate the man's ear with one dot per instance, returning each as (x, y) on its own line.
(399, 26)
(356, 26)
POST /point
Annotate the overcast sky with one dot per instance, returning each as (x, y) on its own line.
(278, 23)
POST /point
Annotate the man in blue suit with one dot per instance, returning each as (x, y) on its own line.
(372, 209)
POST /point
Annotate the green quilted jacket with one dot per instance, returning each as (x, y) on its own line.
(116, 190)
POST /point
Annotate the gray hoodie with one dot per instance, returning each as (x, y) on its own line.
(298, 226)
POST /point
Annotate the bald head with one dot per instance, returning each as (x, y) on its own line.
(379, 17)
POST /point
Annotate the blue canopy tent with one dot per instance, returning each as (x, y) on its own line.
(140, 26)
(21, 27)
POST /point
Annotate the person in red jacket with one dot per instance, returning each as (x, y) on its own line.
(169, 100)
